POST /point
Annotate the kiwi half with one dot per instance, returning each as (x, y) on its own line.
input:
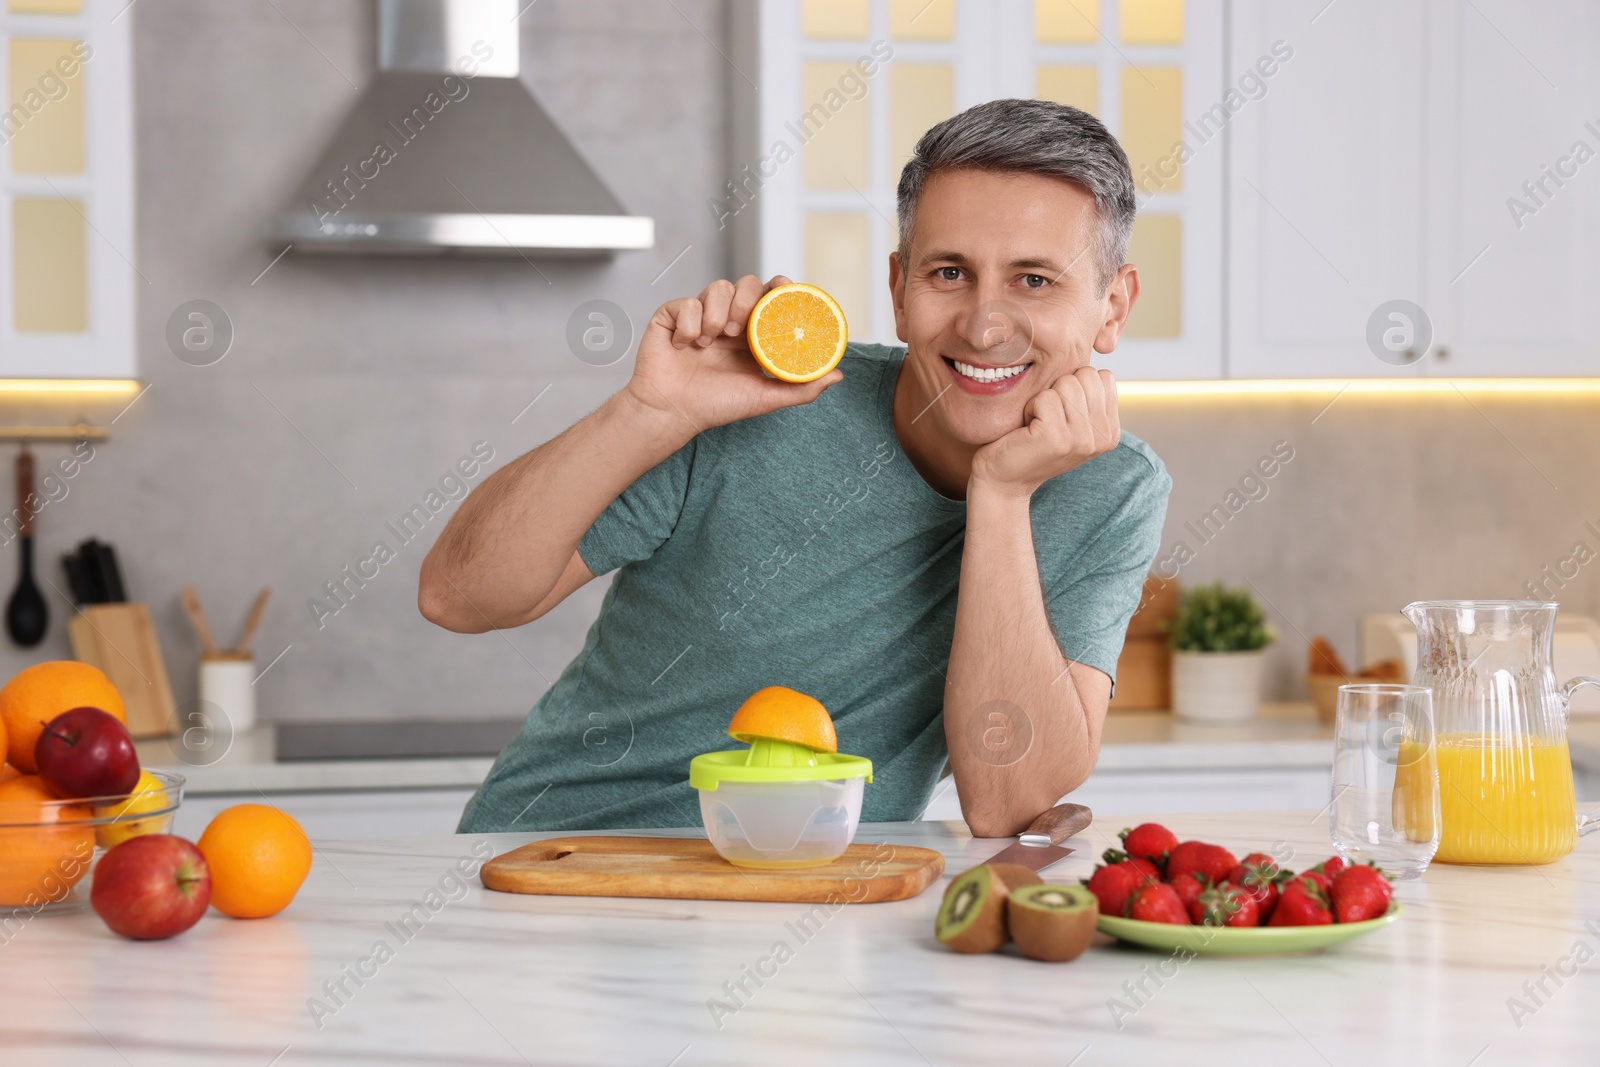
(1052, 922)
(972, 915)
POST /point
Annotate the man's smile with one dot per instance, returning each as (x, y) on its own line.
(983, 379)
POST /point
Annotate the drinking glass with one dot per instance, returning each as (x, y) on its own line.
(1385, 778)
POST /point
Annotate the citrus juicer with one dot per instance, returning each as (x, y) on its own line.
(779, 804)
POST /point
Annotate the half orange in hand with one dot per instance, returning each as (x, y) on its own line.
(779, 713)
(797, 332)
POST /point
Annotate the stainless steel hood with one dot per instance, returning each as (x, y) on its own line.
(446, 151)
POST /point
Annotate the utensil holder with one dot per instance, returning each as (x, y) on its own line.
(226, 683)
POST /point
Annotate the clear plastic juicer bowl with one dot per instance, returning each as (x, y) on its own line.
(778, 804)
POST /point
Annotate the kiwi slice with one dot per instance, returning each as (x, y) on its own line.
(1052, 922)
(972, 916)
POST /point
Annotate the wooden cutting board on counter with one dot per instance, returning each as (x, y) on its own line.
(690, 869)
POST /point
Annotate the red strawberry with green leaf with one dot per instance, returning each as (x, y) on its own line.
(1225, 905)
(1322, 879)
(1359, 894)
(1115, 856)
(1150, 841)
(1213, 862)
(1303, 902)
(1332, 866)
(1158, 903)
(1259, 876)
(1114, 884)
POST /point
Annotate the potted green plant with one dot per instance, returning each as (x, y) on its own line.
(1217, 640)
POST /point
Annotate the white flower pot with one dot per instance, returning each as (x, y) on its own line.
(1216, 686)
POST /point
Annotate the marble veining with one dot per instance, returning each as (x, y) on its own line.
(474, 977)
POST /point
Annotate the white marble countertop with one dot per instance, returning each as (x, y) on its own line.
(1283, 735)
(490, 978)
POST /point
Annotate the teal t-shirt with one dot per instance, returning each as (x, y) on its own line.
(799, 548)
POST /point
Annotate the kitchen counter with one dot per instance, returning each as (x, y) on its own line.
(490, 978)
(1284, 735)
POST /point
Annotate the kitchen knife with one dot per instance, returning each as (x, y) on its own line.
(1040, 844)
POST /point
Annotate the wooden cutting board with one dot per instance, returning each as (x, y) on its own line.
(690, 869)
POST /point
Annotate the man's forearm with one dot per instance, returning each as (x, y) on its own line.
(504, 550)
(1018, 733)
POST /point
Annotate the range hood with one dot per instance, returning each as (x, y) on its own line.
(447, 152)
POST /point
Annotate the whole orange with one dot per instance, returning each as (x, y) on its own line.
(45, 844)
(258, 857)
(39, 693)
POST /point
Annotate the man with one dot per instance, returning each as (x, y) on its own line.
(942, 543)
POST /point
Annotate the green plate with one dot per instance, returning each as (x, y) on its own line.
(1240, 941)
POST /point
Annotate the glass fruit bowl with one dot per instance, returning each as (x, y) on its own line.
(48, 847)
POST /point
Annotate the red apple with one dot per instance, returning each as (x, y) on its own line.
(151, 887)
(86, 752)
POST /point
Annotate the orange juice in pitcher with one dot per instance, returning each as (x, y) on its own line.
(1504, 803)
(1505, 776)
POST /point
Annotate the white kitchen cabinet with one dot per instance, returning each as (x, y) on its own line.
(1513, 249)
(846, 89)
(341, 814)
(1326, 185)
(1444, 153)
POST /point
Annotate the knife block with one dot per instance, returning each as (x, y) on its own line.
(121, 640)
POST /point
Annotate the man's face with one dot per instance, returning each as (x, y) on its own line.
(1000, 295)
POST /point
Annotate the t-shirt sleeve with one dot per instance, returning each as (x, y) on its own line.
(1090, 609)
(636, 523)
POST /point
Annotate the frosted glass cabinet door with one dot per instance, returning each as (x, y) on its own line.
(67, 257)
(1326, 184)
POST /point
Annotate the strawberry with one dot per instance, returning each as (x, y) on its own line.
(1158, 903)
(1114, 856)
(1225, 905)
(1302, 903)
(1149, 841)
(1322, 880)
(1259, 876)
(1214, 862)
(1360, 893)
(1265, 864)
(1189, 887)
(1331, 867)
(1112, 885)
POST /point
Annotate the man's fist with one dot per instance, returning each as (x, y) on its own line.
(1066, 425)
(695, 365)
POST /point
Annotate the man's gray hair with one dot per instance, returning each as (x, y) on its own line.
(1030, 137)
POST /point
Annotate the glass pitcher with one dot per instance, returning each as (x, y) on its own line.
(1505, 777)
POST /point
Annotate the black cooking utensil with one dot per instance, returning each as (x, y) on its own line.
(26, 614)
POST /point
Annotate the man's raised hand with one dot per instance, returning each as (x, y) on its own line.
(694, 363)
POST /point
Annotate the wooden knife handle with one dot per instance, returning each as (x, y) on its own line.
(1061, 822)
(25, 493)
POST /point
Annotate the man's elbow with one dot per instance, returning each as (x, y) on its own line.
(441, 604)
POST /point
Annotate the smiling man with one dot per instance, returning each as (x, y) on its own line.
(943, 542)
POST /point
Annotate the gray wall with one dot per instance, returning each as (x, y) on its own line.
(387, 371)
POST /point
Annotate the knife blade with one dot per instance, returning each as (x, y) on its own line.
(1040, 844)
